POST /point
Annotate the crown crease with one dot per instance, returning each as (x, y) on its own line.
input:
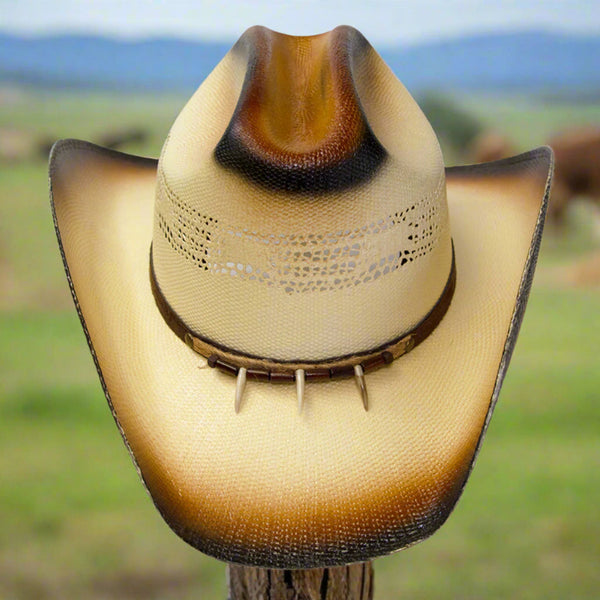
(299, 125)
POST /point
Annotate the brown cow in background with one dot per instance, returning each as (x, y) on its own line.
(577, 169)
(490, 145)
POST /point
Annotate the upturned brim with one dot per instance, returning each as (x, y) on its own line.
(269, 486)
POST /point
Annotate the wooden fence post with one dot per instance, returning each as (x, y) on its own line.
(350, 582)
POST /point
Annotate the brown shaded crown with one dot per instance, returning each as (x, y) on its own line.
(298, 125)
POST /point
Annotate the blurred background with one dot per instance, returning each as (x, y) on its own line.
(494, 79)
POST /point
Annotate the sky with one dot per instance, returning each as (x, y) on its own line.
(386, 22)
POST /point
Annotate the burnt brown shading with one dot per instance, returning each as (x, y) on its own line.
(298, 125)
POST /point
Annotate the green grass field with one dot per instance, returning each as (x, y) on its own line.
(76, 521)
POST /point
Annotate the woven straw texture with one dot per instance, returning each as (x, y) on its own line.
(334, 484)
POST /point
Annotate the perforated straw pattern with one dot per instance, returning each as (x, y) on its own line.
(311, 262)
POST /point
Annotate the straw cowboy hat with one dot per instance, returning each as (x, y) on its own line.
(300, 318)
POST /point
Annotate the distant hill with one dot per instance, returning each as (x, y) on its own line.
(86, 61)
(530, 61)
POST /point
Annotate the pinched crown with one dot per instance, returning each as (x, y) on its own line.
(301, 206)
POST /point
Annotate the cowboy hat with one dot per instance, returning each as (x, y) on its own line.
(301, 319)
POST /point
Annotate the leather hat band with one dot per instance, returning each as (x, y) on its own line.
(266, 369)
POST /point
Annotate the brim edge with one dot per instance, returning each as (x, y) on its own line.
(543, 152)
(58, 148)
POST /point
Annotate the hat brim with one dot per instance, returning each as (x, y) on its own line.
(269, 486)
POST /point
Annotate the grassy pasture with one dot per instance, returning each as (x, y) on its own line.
(76, 522)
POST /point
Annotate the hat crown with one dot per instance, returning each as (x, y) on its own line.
(301, 206)
(298, 125)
